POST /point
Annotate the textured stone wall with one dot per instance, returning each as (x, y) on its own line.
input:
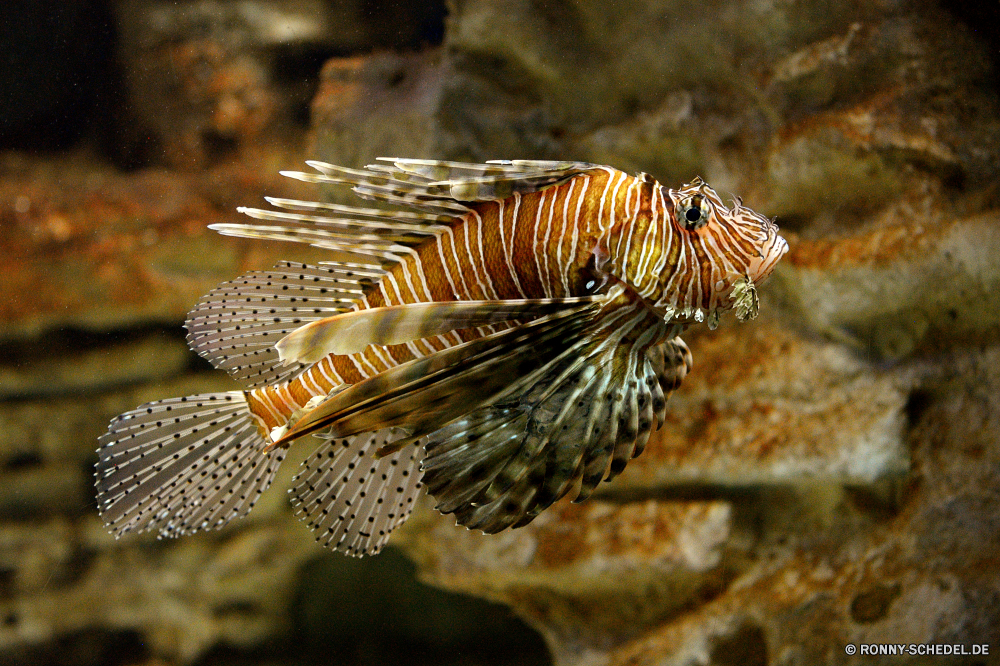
(828, 474)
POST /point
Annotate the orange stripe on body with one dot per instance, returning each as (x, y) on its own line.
(474, 265)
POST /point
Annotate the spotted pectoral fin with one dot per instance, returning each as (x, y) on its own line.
(671, 361)
(426, 393)
(588, 412)
(352, 499)
(351, 332)
(502, 464)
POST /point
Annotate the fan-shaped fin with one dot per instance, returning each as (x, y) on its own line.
(586, 417)
(671, 361)
(237, 324)
(182, 465)
(425, 393)
(352, 499)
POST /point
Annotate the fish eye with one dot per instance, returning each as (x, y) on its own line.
(693, 212)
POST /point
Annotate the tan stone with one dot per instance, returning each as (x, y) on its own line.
(587, 575)
(924, 284)
(95, 249)
(763, 406)
(827, 474)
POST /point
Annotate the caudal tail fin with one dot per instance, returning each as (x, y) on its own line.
(182, 465)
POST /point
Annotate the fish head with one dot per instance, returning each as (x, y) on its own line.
(722, 254)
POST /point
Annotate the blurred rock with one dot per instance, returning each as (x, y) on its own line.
(232, 588)
(209, 78)
(913, 577)
(763, 406)
(203, 76)
(813, 115)
(380, 105)
(589, 575)
(827, 474)
(202, 85)
(795, 582)
(920, 281)
(34, 372)
(91, 248)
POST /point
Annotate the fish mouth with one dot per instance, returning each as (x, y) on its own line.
(740, 295)
(774, 249)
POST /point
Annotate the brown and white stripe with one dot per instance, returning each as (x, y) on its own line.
(511, 257)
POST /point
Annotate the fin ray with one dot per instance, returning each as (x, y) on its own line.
(470, 183)
(580, 424)
(353, 500)
(182, 465)
(351, 332)
(237, 325)
(430, 391)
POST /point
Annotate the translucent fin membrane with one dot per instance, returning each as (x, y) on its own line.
(352, 499)
(351, 332)
(579, 419)
(430, 391)
(237, 325)
(182, 465)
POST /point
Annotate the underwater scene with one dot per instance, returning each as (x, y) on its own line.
(533, 332)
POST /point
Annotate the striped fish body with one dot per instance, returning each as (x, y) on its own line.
(511, 340)
(533, 246)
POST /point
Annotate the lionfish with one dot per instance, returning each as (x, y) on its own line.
(502, 335)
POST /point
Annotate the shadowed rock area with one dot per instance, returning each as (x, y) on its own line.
(828, 474)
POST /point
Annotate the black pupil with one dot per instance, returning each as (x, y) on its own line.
(693, 214)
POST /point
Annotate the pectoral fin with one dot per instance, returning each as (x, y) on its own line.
(426, 393)
(351, 332)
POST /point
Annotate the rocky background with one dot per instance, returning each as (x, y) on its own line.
(829, 474)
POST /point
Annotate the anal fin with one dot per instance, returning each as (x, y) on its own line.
(352, 499)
